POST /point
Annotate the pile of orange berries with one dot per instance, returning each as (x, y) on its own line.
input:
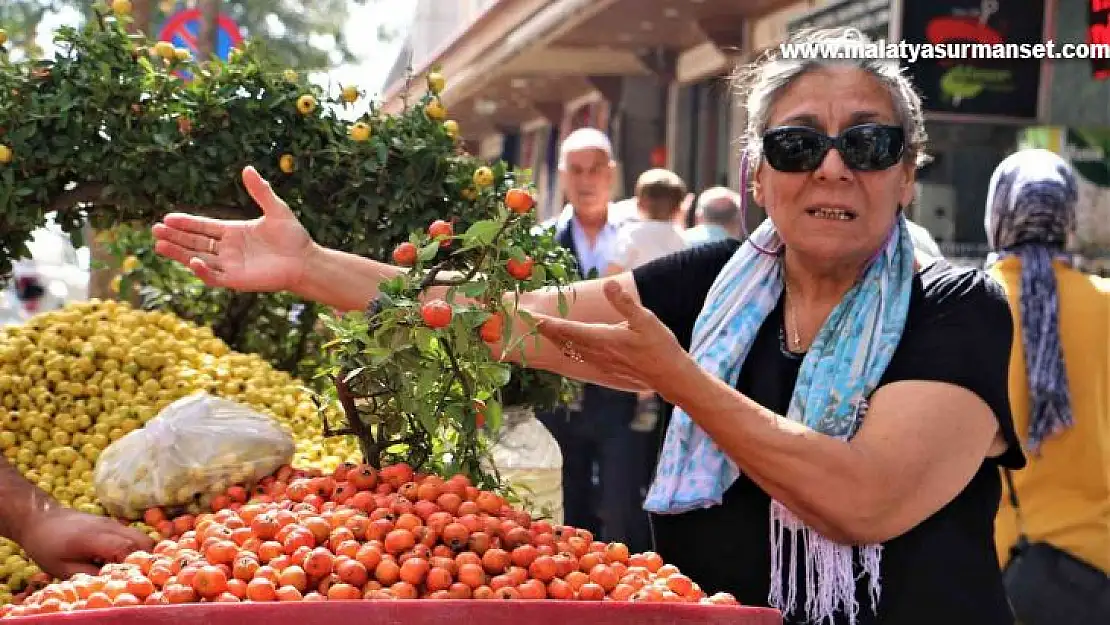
(361, 533)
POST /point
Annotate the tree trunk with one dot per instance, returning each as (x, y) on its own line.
(209, 30)
(143, 14)
(102, 266)
(237, 314)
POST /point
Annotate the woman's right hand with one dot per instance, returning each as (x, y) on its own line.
(264, 254)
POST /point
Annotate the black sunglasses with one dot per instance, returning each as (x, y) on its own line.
(867, 147)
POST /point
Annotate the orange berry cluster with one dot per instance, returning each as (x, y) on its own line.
(361, 533)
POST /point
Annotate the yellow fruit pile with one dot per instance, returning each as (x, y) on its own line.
(73, 381)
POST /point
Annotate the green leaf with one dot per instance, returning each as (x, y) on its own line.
(428, 252)
(425, 338)
(482, 233)
(473, 317)
(474, 288)
(564, 306)
(498, 372)
(539, 277)
(378, 355)
(494, 415)
(427, 420)
(527, 318)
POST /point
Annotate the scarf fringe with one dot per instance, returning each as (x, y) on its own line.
(830, 578)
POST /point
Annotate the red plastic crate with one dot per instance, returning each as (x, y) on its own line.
(427, 612)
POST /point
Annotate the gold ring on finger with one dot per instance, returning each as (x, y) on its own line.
(211, 246)
(571, 353)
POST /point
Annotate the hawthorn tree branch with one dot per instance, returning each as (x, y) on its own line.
(457, 368)
(93, 193)
(354, 422)
(237, 314)
(433, 273)
(81, 194)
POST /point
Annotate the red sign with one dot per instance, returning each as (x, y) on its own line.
(182, 29)
(953, 84)
(1098, 33)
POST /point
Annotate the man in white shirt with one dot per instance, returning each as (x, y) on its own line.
(590, 220)
(653, 233)
(595, 434)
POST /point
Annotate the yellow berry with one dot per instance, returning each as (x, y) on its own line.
(287, 163)
(130, 264)
(483, 177)
(436, 82)
(360, 132)
(306, 104)
(435, 111)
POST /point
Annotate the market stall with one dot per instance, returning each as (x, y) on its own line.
(371, 490)
(421, 613)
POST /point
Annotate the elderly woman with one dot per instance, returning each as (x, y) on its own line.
(1059, 389)
(841, 408)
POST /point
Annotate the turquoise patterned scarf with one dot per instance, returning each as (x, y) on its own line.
(840, 371)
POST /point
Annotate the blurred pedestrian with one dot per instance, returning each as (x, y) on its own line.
(717, 216)
(659, 195)
(602, 455)
(1060, 396)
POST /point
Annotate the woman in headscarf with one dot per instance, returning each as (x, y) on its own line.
(1059, 365)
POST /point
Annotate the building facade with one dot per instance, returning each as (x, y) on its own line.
(648, 72)
(435, 24)
(655, 75)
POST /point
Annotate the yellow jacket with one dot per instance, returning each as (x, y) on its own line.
(1065, 491)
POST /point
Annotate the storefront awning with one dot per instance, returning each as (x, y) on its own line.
(524, 59)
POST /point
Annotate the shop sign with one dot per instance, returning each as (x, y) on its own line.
(971, 84)
(872, 17)
(1098, 32)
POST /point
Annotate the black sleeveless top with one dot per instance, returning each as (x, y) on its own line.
(944, 570)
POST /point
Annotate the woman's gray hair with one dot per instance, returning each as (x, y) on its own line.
(761, 83)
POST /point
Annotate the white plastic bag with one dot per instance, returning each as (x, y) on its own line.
(196, 448)
(526, 455)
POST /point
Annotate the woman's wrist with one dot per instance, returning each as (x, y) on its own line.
(679, 381)
(315, 261)
(343, 281)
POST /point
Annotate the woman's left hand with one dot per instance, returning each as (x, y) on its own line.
(640, 350)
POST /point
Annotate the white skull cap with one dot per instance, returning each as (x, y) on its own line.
(585, 139)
